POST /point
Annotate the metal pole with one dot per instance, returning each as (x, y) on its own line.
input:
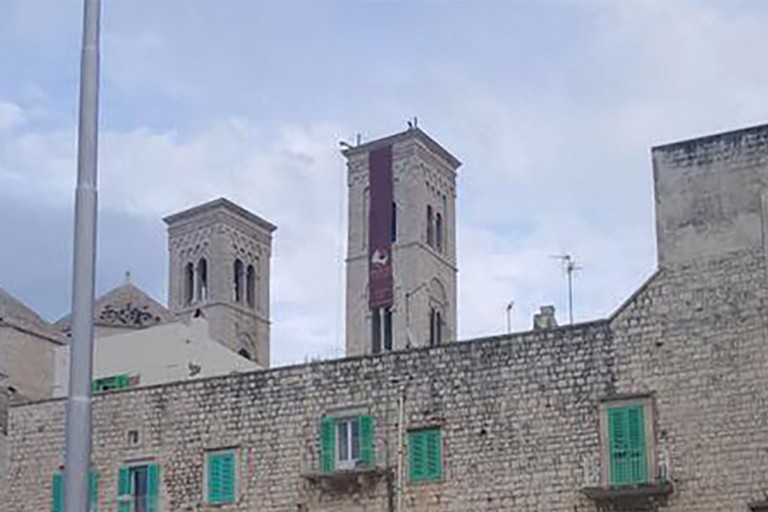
(509, 316)
(78, 450)
(399, 503)
(570, 291)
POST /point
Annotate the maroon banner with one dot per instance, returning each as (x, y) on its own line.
(380, 228)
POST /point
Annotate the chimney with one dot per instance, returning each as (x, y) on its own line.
(545, 318)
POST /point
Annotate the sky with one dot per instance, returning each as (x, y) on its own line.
(552, 107)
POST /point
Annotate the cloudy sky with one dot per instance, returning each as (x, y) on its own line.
(552, 107)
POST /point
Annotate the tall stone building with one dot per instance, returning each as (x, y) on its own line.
(219, 267)
(662, 406)
(401, 249)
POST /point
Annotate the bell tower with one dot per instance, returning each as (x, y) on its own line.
(219, 259)
(401, 251)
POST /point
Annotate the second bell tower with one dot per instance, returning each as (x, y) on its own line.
(401, 252)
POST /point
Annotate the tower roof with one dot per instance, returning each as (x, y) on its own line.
(125, 306)
(414, 132)
(220, 204)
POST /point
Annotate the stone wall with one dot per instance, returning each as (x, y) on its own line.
(711, 195)
(696, 337)
(518, 415)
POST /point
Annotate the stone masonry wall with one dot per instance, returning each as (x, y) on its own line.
(697, 337)
(518, 415)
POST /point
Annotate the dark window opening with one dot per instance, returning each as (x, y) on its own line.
(243, 352)
(250, 286)
(189, 284)
(238, 281)
(430, 227)
(394, 222)
(439, 231)
(375, 331)
(435, 327)
(387, 329)
(202, 280)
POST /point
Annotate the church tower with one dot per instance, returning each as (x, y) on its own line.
(219, 266)
(401, 254)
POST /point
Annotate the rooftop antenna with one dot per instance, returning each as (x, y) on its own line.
(345, 144)
(509, 315)
(570, 267)
(358, 139)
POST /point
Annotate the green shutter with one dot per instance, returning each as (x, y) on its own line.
(57, 493)
(425, 455)
(416, 456)
(221, 477)
(121, 381)
(367, 441)
(434, 456)
(328, 445)
(93, 491)
(124, 490)
(153, 488)
(626, 431)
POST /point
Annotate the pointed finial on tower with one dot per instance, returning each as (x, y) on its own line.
(127, 277)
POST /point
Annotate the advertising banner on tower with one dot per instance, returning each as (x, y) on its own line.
(380, 228)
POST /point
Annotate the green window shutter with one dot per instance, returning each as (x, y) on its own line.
(57, 493)
(328, 445)
(425, 455)
(93, 491)
(121, 381)
(627, 445)
(221, 477)
(434, 455)
(416, 450)
(125, 504)
(153, 488)
(636, 441)
(367, 441)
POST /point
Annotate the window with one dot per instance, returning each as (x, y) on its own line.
(138, 488)
(238, 281)
(425, 455)
(250, 286)
(189, 284)
(381, 329)
(57, 492)
(110, 383)
(202, 280)
(439, 231)
(347, 442)
(220, 477)
(627, 441)
(435, 327)
(394, 223)
(430, 227)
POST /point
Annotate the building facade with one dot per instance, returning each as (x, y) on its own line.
(661, 406)
(401, 246)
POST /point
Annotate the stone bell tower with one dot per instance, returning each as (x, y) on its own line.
(401, 254)
(219, 267)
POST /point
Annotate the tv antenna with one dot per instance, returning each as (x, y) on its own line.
(569, 265)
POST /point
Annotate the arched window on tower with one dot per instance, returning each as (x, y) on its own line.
(439, 231)
(189, 284)
(238, 281)
(202, 280)
(430, 227)
(250, 286)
